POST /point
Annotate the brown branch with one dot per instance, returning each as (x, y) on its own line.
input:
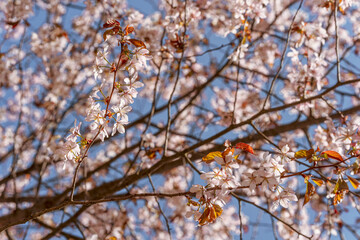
(271, 214)
(106, 189)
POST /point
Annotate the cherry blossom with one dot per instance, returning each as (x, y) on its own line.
(179, 119)
(283, 199)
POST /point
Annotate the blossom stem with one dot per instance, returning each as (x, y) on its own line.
(98, 132)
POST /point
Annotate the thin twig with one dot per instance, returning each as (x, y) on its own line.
(174, 88)
(159, 206)
(333, 108)
(100, 128)
(241, 222)
(191, 164)
(271, 214)
(74, 181)
(282, 55)
(338, 77)
(237, 78)
(264, 136)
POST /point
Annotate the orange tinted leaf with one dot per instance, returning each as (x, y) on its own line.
(210, 157)
(215, 212)
(151, 153)
(218, 209)
(341, 188)
(337, 199)
(212, 215)
(128, 30)
(228, 151)
(355, 183)
(243, 41)
(137, 43)
(310, 191)
(204, 216)
(107, 32)
(318, 182)
(333, 155)
(245, 147)
(192, 203)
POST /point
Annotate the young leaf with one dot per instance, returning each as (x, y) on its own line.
(110, 23)
(108, 32)
(306, 178)
(310, 191)
(355, 183)
(228, 151)
(151, 153)
(341, 188)
(333, 155)
(245, 147)
(216, 211)
(137, 43)
(210, 157)
(355, 167)
(309, 153)
(128, 30)
(301, 154)
(318, 182)
(192, 203)
(204, 216)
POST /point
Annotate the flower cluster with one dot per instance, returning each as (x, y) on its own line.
(269, 175)
(270, 73)
(110, 102)
(222, 181)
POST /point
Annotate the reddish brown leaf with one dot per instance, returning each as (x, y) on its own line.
(333, 155)
(110, 23)
(245, 147)
(310, 191)
(137, 43)
(107, 32)
(204, 216)
(309, 153)
(128, 30)
(177, 43)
